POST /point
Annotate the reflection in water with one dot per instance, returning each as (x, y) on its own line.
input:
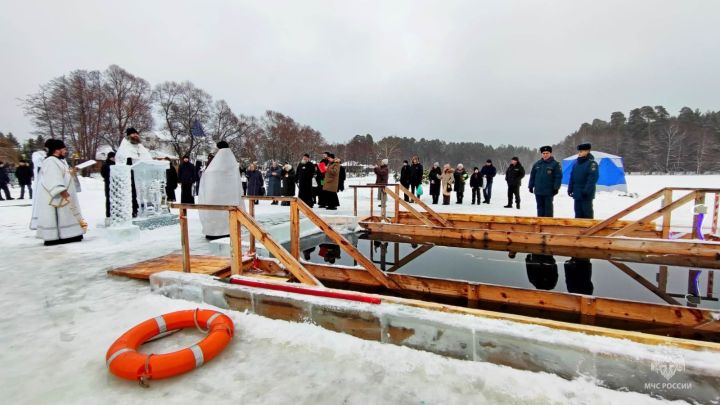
(306, 253)
(578, 276)
(383, 252)
(693, 288)
(330, 252)
(542, 271)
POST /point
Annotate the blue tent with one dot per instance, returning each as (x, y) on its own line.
(612, 171)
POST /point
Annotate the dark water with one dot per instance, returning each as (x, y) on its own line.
(686, 286)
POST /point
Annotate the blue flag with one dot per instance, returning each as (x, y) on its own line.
(197, 129)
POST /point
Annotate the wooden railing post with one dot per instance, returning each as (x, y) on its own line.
(185, 240)
(355, 201)
(667, 217)
(397, 204)
(383, 203)
(372, 200)
(251, 211)
(235, 243)
(699, 199)
(714, 227)
(294, 230)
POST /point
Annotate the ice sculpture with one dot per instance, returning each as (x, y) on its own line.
(150, 187)
(120, 195)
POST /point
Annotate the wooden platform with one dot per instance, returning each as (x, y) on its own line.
(211, 265)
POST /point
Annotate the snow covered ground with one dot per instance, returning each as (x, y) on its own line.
(60, 312)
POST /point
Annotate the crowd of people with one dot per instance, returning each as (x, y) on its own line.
(223, 181)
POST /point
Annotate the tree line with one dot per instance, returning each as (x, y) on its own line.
(88, 109)
(650, 140)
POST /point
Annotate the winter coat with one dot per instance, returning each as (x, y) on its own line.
(4, 178)
(332, 177)
(416, 174)
(405, 175)
(287, 187)
(545, 177)
(341, 182)
(24, 175)
(583, 178)
(460, 177)
(171, 178)
(446, 181)
(105, 170)
(187, 173)
(304, 175)
(381, 174)
(434, 177)
(255, 182)
(514, 174)
(321, 169)
(488, 172)
(273, 181)
(476, 180)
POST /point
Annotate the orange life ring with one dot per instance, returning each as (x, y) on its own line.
(125, 361)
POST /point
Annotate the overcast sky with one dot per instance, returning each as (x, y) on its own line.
(517, 72)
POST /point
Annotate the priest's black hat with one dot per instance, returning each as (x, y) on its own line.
(131, 131)
(53, 145)
(222, 145)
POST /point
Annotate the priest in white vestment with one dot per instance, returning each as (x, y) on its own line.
(130, 152)
(59, 217)
(220, 185)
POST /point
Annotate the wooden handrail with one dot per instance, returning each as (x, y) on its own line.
(655, 214)
(602, 225)
(409, 207)
(427, 209)
(344, 244)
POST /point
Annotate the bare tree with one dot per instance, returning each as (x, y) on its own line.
(180, 105)
(130, 100)
(671, 140)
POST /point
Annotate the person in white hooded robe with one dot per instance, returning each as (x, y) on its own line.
(220, 185)
(59, 217)
(37, 159)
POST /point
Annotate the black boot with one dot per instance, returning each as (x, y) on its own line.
(509, 205)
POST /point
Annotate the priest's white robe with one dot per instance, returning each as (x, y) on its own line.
(56, 218)
(37, 159)
(135, 151)
(220, 185)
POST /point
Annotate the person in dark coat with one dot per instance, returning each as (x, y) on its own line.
(304, 177)
(460, 176)
(405, 177)
(513, 176)
(476, 182)
(171, 181)
(187, 175)
(287, 182)
(273, 176)
(105, 173)
(320, 179)
(255, 181)
(488, 171)
(4, 181)
(542, 271)
(434, 177)
(584, 175)
(198, 175)
(416, 174)
(24, 174)
(545, 180)
(341, 180)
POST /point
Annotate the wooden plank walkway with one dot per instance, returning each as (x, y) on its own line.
(211, 265)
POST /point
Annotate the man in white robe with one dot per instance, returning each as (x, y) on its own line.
(220, 185)
(131, 151)
(59, 217)
(37, 159)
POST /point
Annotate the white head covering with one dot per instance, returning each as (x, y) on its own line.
(220, 185)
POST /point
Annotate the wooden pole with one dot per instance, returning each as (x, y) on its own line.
(714, 228)
(235, 243)
(662, 278)
(602, 225)
(667, 217)
(408, 207)
(699, 199)
(383, 204)
(434, 215)
(355, 201)
(372, 201)
(185, 240)
(397, 204)
(643, 281)
(657, 214)
(252, 215)
(294, 230)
